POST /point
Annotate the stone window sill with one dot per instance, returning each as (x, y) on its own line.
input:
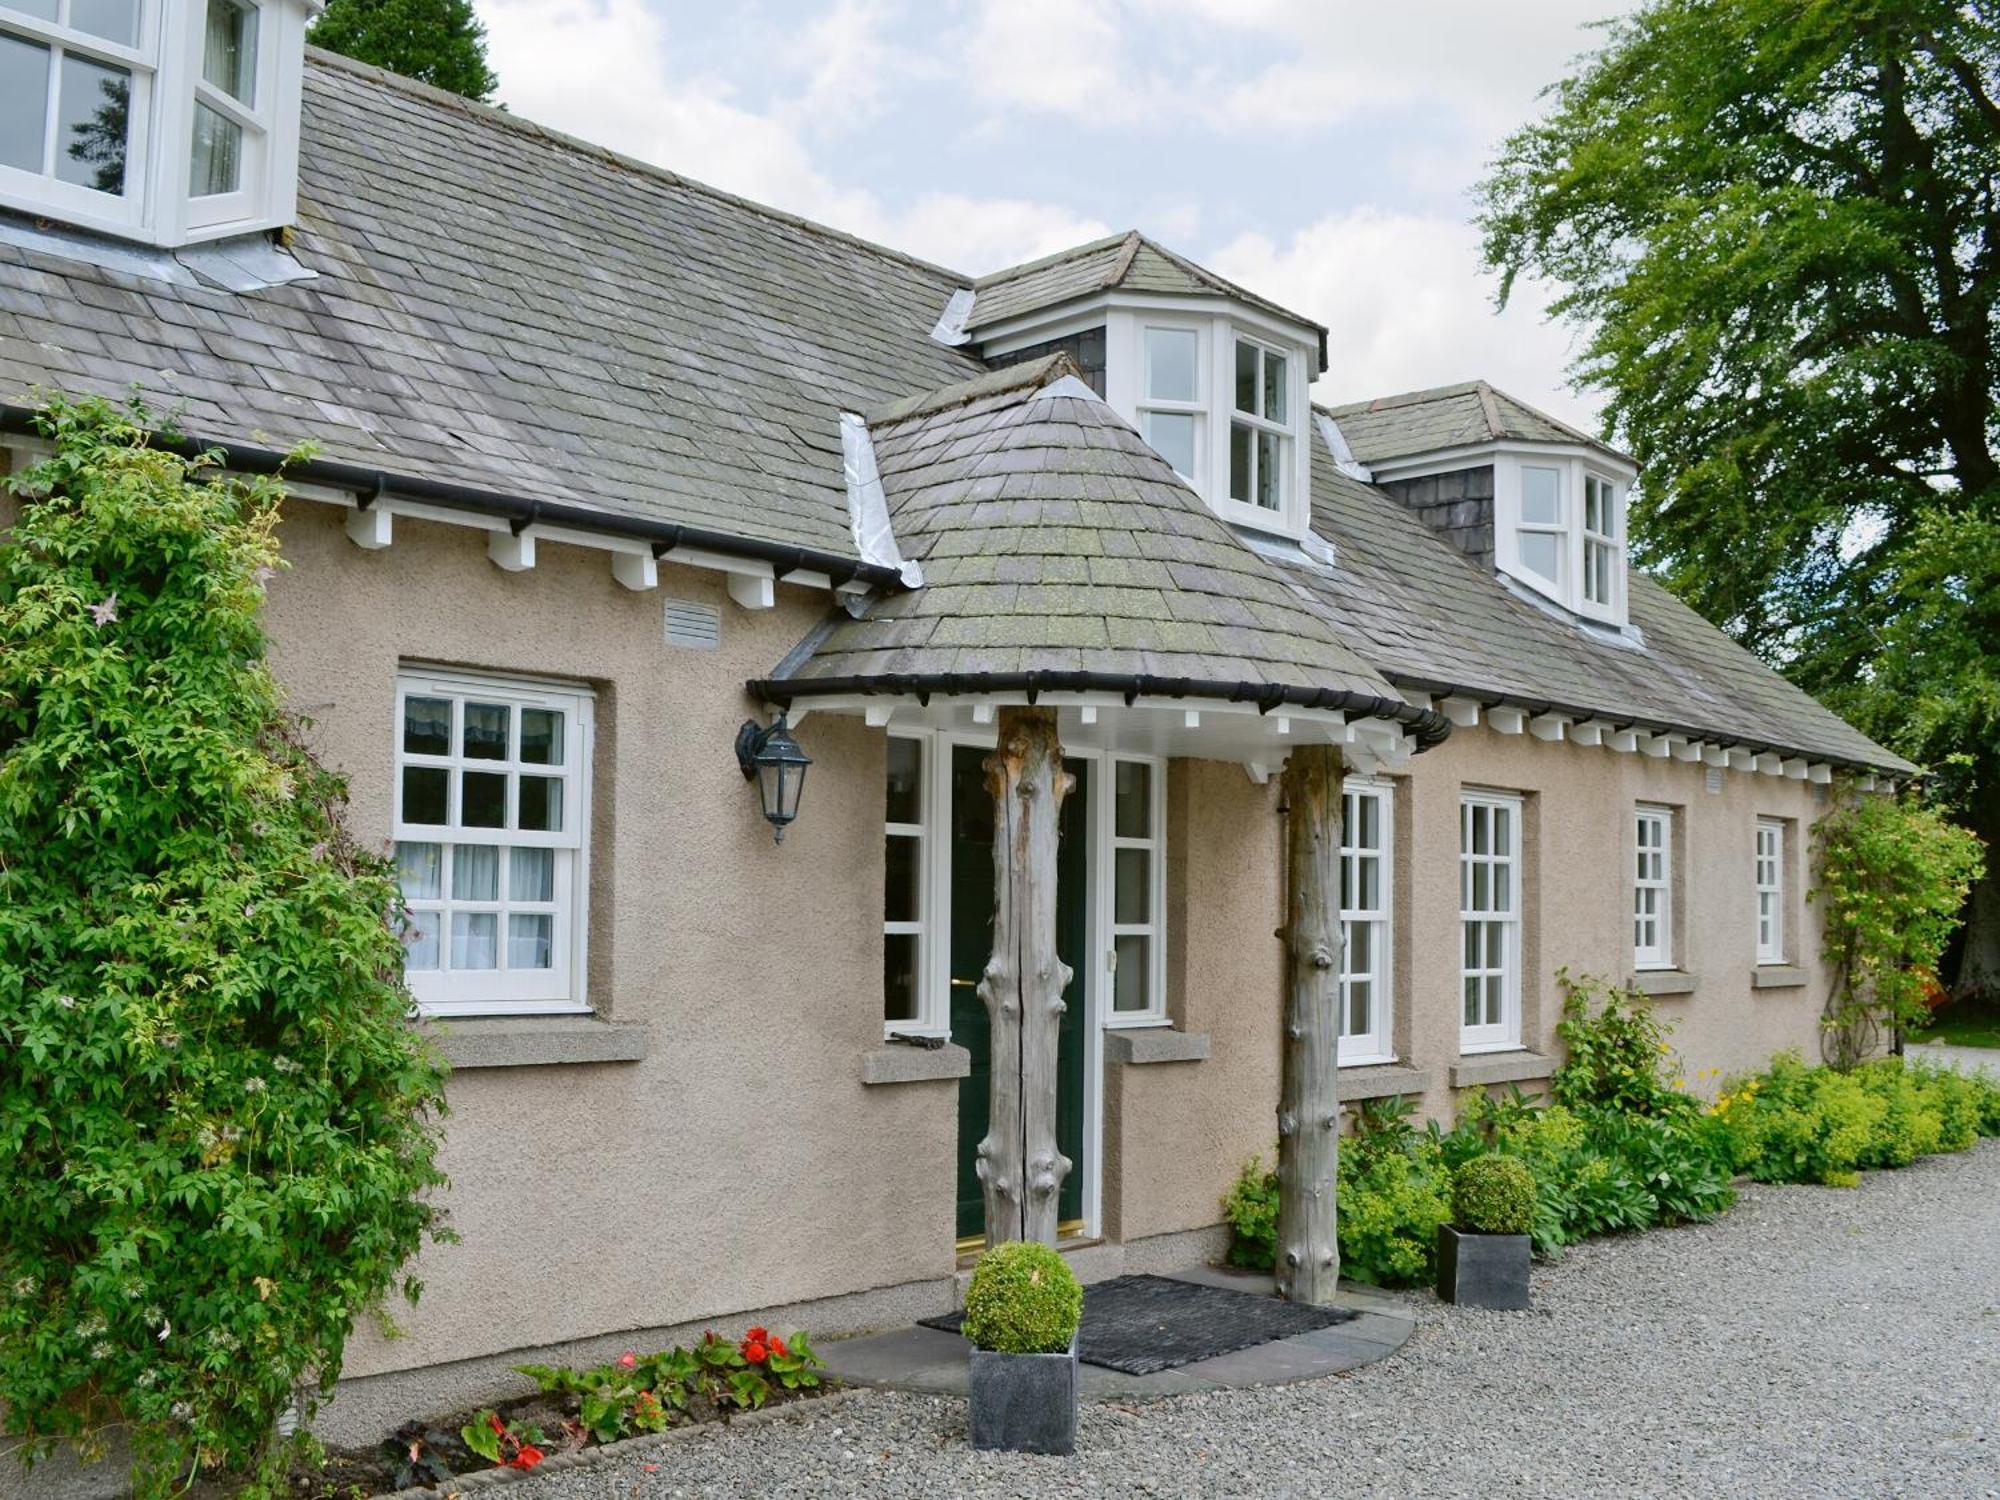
(535, 1041)
(884, 1065)
(1380, 1081)
(1663, 982)
(1500, 1067)
(1777, 977)
(1155, 1044)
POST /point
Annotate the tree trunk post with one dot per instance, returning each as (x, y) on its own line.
(1020, 1169)
(1308, 1252)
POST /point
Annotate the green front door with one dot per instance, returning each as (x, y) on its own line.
(972, 944)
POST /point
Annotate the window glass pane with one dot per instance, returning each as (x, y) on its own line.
(1472, 945)
(482, 800)
(229, 49)
(1270, 470)
(899, 976)
(1471, 1000)
(1239, 463)
(1367, 823)
(1368, 874)
(1134, 819)
(1246, 378)
(419, 869)
(475, 872)
(1493, 1000)
(93, 123)
(424, 793)
(485, 731)
(905, 792)
(1132, 899)
(542, 736)
(541, 809)
(114, 20)
(1541, 497)
(473, 939)
(420, 940)
(1361, 947)
(1481, 819)
(1170, 363)
(1503, 830)
(1541, 553)
(41, 10)
(1172, 435)
(1275, 367)
(427, 726)
(1133, 974)
(1482, 887)
(900, 869)
(215, 164)
(531, 875)
(1360, 1007)
(1503, 888)
(530, 940)
(24, 101)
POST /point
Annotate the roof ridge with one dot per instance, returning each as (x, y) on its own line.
(1405, 398)
(1490, 409)
(492, 114)
(1043, 262)
(1122, 267)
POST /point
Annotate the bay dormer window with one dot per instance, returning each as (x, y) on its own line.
(1260, 433)
(1559, 529)
(1172, 408)
(166, 121)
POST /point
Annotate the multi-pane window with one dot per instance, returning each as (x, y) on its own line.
(226, 122)
(1770, 881)
(1137, 890)
(905, 886)
(1171, 410)
(491, 816)
(1600, 541)
(75, 78)
(1364, 924)
(1652, 889)
(1542, 537)
(1490, 920)
(1260, 427)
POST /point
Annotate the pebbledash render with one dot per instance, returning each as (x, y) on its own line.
(610, 463)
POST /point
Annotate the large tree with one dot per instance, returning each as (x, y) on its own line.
(438, 42)
(1777, 225)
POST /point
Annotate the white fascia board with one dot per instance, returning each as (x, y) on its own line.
(1089, 311)
(1471, 455)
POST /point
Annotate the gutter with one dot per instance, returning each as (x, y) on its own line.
(1486, 697)
(372, 485)
(1427, 726)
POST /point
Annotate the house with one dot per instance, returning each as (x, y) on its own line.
(610, 463)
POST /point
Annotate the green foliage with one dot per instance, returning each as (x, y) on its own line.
(647, 1393)
(1250, 1209)
(1613, 1052)
(1391, 1205)
(439, 42)
(1493, 1195)
(1891, 876)
(217, 1133)
(1024, 1299)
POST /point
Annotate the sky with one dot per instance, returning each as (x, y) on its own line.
(1319, 152)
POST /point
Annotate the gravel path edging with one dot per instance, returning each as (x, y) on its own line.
(584, 1458)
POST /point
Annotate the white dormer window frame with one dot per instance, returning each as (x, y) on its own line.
(1173, 392)
(191, 120)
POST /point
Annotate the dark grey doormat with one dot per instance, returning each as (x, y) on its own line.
(1140, 1325)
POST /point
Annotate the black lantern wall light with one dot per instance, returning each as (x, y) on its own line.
(770, 757)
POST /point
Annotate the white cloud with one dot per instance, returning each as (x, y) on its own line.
(1406, 308)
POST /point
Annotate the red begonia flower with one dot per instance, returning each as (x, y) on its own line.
(755, 1352)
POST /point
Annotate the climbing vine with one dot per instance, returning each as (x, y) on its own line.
(1892, 877)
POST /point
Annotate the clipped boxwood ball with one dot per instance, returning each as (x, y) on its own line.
(1024, 1299)
(1493, 1195)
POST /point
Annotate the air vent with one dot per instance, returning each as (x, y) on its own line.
(692, 626)
(1715, 778)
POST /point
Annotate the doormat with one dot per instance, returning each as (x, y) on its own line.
(1141, 1325)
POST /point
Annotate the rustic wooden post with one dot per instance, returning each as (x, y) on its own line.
(1308, 1254)
(1020, 1169)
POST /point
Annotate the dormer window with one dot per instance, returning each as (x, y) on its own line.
(166, 121)
(1259, 432)
(1543, 537)
(1601, 559)
(1172, 408)
(1559, 529)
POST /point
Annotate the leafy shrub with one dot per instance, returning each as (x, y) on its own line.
(1390, 1210)
(1024, 1299)
(1614, 1050)
(1251, 1211)
(216, 1131)
(648, 1393)
(1493, 1195)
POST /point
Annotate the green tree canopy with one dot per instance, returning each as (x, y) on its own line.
(1777, 225)
(439, 42)
(217, 1137)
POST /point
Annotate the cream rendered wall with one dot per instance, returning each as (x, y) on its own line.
(742, 1164)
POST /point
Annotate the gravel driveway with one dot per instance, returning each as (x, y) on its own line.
(1812, 1342)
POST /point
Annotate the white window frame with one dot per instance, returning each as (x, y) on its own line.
(1559, 528)
(1105, 814)
(933, 1016)
(253, 119)
(559, 989)
(1376, 1044)
(1768, 878)
(1653, 888)
(1285, 431)
(1602, 540)
(1504, 1034)
(1149, 403)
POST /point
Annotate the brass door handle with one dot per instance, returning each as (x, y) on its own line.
(965, 984)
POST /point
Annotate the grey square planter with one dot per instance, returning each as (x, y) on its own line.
(1025, 1403)
(1482, 1270)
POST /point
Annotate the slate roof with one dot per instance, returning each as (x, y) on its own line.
(1054, 540)
(1126, 262)
(1433, 621)
(1450, 416)
(500, 306)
